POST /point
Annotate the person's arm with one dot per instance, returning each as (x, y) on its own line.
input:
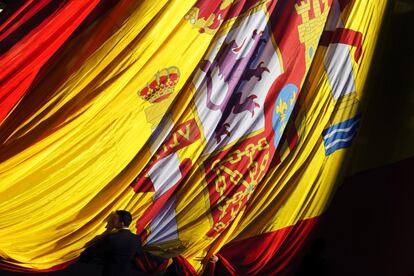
(139, 251)
(96, 252)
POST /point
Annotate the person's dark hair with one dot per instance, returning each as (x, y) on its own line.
(125, 217)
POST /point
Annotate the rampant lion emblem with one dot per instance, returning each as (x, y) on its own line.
(234, 69)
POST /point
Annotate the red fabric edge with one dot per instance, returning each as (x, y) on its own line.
(14, 268)
(266, 254)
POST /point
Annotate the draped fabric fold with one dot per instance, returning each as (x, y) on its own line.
(222, 126)
(29, 39)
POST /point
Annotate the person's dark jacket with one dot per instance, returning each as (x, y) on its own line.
(116, 252)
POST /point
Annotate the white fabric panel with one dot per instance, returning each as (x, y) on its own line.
(165, 174)
(163, 225)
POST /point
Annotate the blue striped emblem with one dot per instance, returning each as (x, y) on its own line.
(340, 135)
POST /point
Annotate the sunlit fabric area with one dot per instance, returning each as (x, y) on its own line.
(222, 137)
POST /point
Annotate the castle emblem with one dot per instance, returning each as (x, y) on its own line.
(309, 30)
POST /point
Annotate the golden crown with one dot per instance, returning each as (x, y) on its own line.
(161, 86)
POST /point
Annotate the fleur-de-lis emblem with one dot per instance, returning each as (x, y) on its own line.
(280, 108)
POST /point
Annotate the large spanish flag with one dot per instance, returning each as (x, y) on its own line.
(222, 126)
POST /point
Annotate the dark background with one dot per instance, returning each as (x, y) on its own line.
(369, 227)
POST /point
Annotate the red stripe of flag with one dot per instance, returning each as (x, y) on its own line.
(22, 62)
(343, 36)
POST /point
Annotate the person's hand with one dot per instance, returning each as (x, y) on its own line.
(213, 259)
(109, 223)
